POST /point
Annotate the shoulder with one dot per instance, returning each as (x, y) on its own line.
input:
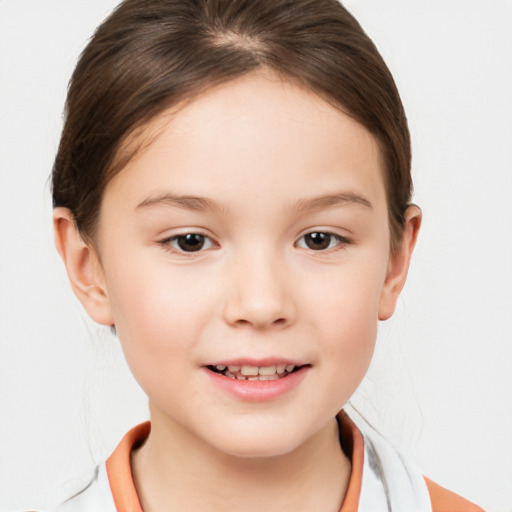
(444, 500)
(382, 470)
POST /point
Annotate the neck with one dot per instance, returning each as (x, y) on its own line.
(175, 471)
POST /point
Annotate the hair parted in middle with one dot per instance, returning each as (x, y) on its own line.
(150, 55)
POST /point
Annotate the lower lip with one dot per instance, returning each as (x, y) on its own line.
(258, 390)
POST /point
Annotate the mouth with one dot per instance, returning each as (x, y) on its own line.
(255, 373)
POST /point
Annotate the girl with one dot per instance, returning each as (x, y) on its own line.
(232, 196)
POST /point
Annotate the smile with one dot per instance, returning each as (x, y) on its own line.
(249, 381)
(255, 373)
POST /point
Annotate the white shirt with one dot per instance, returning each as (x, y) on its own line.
(389, 482)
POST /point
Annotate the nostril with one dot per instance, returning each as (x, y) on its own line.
(279, 322)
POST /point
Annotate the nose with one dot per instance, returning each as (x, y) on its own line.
(259, 294)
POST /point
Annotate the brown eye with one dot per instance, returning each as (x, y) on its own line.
(191, 242)
(320, 241)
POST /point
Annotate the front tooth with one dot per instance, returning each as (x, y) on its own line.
(269, 377)
(267, 370)
(290, 367)
(281, 368)
(233, 368)
(249, 370)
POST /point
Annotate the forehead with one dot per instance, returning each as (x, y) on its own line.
(261, 130)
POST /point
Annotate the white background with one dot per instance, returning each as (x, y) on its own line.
(441, 385)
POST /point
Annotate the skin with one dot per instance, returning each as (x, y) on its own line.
(271, 162)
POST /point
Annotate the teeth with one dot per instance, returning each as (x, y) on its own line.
(248, 370)
(269, 377)
(267, 370)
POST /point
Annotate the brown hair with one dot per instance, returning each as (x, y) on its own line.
(150, 55)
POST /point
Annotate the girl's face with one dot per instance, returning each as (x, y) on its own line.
(250, 235)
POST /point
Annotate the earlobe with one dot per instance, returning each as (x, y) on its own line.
(399, 262)
(83, 267)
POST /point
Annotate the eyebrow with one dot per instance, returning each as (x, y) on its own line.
(328, 200)
(181, 201)
(197, 203)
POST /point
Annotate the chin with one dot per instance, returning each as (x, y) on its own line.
(256, 442)
(257, 449)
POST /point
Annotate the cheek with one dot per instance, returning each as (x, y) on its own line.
(348, 351)
(159, 316)
(350, 331)
(346, 321)
(158, 310)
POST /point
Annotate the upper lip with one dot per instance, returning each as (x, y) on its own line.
(268, 361)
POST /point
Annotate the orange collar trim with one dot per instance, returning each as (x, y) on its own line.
(119, 469)
(125, 495)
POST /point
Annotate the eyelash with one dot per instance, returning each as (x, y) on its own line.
(172, 243)
(340, 241)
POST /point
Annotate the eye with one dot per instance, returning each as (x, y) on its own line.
(189, 242)
(320, 241)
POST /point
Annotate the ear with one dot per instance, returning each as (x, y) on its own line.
(398, 265)
(83, 267)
